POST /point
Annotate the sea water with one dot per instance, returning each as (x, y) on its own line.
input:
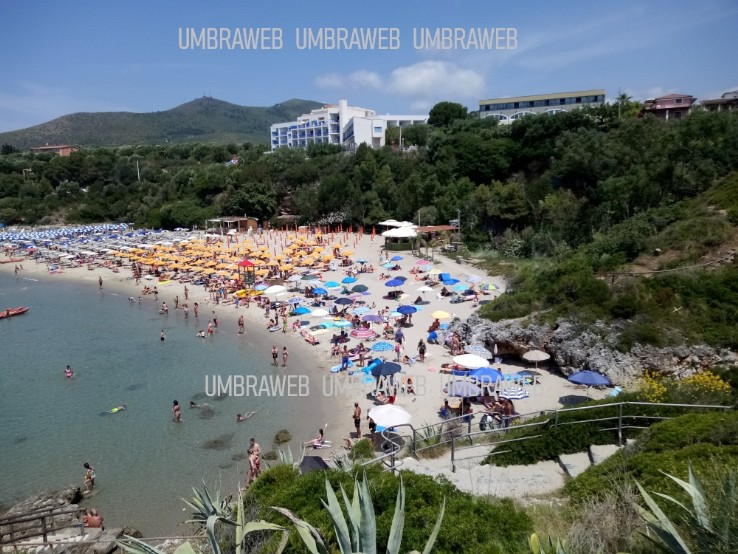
(145, 463)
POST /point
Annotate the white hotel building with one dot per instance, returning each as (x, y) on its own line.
(507, 110)
(341, 125)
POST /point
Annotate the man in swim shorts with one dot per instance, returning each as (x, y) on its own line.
(357, 419)
(275, 354)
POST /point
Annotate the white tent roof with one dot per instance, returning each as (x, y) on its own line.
(400, 232)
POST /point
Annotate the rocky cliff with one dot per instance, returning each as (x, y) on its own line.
(575, 346)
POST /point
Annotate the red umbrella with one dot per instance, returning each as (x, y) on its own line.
(245, 263)
(363, 334)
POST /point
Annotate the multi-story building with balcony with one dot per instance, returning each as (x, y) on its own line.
(507, 110)
(339, 124)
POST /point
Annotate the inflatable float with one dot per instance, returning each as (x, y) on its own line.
(337, 368)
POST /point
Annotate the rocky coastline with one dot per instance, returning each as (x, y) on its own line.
(574, 346)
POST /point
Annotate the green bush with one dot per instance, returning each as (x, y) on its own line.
(363, 450)
(471, 524)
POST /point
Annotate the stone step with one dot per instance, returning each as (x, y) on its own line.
(574, 464)
(598, 453)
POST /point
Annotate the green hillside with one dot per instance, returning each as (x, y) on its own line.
(202, 120)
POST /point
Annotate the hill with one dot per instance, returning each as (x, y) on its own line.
(202, 120)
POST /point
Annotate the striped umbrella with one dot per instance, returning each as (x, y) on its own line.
(363, 334)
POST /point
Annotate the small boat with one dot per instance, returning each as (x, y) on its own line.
(10, 312)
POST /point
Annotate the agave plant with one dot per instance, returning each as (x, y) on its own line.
(546, 547)
(713, 530)
(288, 459)
(358, 535)
(208, 512)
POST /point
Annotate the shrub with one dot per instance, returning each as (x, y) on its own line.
(363, 450)
(704, 387)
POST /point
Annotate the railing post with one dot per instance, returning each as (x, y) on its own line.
(556, 418)
(415, 446)
(43, 528)
(453, 454)
(620, 424)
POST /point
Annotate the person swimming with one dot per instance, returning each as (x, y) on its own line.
(68, 371)
(117, 409)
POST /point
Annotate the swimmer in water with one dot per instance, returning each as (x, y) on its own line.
(118, 409)
(68, 371)
(244, 417)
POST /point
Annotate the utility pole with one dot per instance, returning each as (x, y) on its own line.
(458, 223)
(138, 171)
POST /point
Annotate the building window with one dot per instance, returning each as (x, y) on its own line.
(562, 101)
(677, 115)
(579, 100)
(516, 105)
(678, 100)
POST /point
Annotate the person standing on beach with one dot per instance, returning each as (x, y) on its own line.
(187, 293)
(176, 411)
(162, 336)
(275, 354)
(240, 325)
(285, 355)
(99, 281)
(421, 350)
(186, 311)
(215, 319)
(196, 306)
(357, 419)
(156, 294)
(176, 302)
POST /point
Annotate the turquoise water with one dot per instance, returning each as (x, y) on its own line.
(145, 463)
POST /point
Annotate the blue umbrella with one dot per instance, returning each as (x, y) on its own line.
(396, 258)
(372, 318)
(387, 265)
(461, 287)
(464, 389)
(261, 286)
(348, 280)
(331, 285)
(478, 350)
(404, 310)
(450, 281)
(485, 375)
(319, 290)
(360, 310)
(589, 378)
(309, 277)
(360, 288)
(382, 346)
(343, 301)
(386, 369)
(362, 260)
(295, 300)
(393, 283)
(400, 278)
(301, 310)
(342, 323)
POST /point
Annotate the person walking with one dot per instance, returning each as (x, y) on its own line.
(275, 355)
(421, 350)
(99, 280)
(285, 355)
(357, 419)
(176, 411)
(89, 481)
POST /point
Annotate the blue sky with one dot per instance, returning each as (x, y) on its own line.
(65, 57)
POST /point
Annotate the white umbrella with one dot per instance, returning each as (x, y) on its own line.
(320, 312)
(274, 289)
(470, 360)
(536, 356)
(425, 288)
(389, 415)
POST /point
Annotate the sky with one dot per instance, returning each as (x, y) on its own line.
(90, 56)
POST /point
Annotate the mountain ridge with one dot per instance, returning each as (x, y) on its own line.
(203, 119)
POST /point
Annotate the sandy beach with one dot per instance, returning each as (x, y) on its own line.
(328, 393)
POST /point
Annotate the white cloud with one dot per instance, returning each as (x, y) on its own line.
(423, 83)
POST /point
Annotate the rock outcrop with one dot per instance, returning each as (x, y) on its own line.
(577, 346)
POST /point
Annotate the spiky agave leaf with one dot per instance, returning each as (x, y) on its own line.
(309, 534)
(368, 524)
(339, 521)
(660, 524)
(436, 528)
(136, 546)
(185, 548)
(398, 522)
(354, 514)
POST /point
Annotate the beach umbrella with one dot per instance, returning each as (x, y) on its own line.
(463, 389)
(485, 375)
(331, 285)
(343, 301)
(396, 258)
(320, 290)
(382, 346)
(363, 334)
(478, 350)
(425, 288)
(360, 310)
(295, 278)
(450, 282)
(294, 300)
(359, 288)
(389, 415)
(405, 310)
(362, 261)
(348, 280)
(387, 265)
(440, 314)
(385, 369)
(394, 283)
(261, 287)
(589, 378)
(470, 360)
(422, 262)
(274, 289)
(309, 277)
(536, 356)
(461, 287)
(400, 278)
(342, 323)
(372, 318)
(312, 463)
(301, 310)
(320, 312)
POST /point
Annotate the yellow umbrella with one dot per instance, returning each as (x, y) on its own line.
(262, 272)
(285, 267)
(440, 314)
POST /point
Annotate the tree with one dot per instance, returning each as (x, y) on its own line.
(444, 113)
